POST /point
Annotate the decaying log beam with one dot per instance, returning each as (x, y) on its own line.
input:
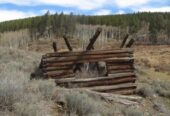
(89, 47)
(130, 43)
(119, 67)
(124, 41)
(82, 60)
(120, 71)
(54, 46)
(113, 88)
(88, 82)
(54, 68)
(93, 39)
(92, 52)
(86, 57)
(122, 99)
(67, 43)
(71, 75)
(60, 72)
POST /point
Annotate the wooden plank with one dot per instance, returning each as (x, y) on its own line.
(92, 52)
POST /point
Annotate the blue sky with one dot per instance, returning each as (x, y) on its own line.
(15, 9)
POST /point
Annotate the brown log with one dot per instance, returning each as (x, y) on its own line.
(59, 72)
(54, 46)
(120, 67)
(67, 43)
(87, 57)
(62, 76)
(129, 74)
(98, 82)
(114, 97)
(92, 52)
(56, 68)
(93, 39)
(113, 88)
(124, 41)
(96, 78)
(110, 63)
(71, 61)
(130, 43)
(120, 71)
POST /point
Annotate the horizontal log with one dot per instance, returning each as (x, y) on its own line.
(46, 69)
(85, 57)
(57, 73)
(66, 62)
(119, 67)
(113, 88)
(68, 80)
(92, 52)
(119, 71)
(62, 76)
(97, 82)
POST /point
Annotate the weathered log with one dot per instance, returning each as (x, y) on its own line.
(119, 67)
(59, 72)
(81, 60)
(93, 39)
(113, 88)
(54, 68)
(120, 71)
(92, 52)
(130, 43)
(54, 46)
(96, 81)
(122, 99)
(88, 57)
(61, 76)
(67, 43)
(96, 78)
(124, 41)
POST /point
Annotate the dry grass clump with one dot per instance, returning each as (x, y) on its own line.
(18, 95)
(145, 90)
(132, 112)
(80, 103)
(162, 88)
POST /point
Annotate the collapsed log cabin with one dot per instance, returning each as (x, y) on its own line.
(119, 78)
